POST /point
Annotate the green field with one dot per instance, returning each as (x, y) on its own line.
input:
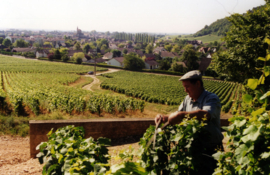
(9, 63)
(163, 89)
(205, 39)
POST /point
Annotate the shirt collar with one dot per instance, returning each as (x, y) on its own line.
(199, 100)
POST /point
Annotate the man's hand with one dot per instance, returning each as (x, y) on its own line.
(163, 118)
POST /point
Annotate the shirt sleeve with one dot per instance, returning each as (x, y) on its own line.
(212, 106)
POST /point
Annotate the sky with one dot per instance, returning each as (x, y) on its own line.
(153, 16)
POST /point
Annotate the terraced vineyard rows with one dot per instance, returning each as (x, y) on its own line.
(47, 91)
(8, 63)
(163, 89)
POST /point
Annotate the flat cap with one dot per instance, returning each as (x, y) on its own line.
(192, 75)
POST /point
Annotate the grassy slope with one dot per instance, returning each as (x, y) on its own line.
(205, 39)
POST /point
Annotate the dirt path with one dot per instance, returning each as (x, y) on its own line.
(96, 80)
(15, 156)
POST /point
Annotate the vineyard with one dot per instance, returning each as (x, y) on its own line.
(167, 89)
(13, 64)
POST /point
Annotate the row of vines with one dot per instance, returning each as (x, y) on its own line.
(48, 91)
(165, 89)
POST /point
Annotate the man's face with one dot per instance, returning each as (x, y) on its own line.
(193, 90)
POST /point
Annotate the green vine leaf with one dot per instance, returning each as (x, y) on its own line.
(261, 80)
(252, 83)
(247, 98)
(266, 71)
(261, 58)
(258, 112)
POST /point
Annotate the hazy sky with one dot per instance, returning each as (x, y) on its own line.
(160, 16)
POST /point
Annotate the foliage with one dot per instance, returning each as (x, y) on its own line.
(164, 64)
(116, 53)
(156, 88)
(66, 152)
(57, 54)
(191, 59)
(245, 43)
(86, 48)
(133, 62)
(249, 147)
(178, 148)
(77, 57)
(178, 68)
(77, 46)
(21, 43)
(121, 45)
(149, 49)
(50, 56)
(168, 47)
(64, 58)
(219, 27)
(1, 40)
(6, 42)
(29, 55)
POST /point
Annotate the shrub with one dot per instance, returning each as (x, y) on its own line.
(51, 56)
(65, 58)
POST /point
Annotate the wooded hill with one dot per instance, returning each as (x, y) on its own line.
(219, 27)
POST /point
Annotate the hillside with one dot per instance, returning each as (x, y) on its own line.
(219, 27)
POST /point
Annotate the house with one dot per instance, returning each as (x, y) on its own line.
(71, 52)
(42, 53)
(151, 64)
(165, 54)
(22, 50)
(113, 46)
(158, 50)
(204, 63)
(204, 49)
(108, 56)
(117, 61)
(98, 60)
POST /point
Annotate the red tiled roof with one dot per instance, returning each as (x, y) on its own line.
(151, 62)
(119, 59)
(205, 62)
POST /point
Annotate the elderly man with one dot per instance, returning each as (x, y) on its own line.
(200, 103)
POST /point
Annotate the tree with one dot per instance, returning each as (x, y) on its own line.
(1, 40)
(168, 47)
(176, 49)
(63, 51)
(77, 46)
(6, 42)
(125, 51)
(104, 47)
(164, 64)
(20, 43)
(189, 56)
(77, 57)
(51, 56)
(116, 53)
(149, 48)
(188, 47)
(57, 55)
(245, 44)
(133, 62)
(121, 45)
(86, 48)
(178, 68)
(64, 58)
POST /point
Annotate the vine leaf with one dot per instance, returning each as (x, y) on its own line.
(247, 98)
(258, 112)
(261, 58)
(252, 83)
(251, 133)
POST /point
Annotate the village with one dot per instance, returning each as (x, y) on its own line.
(109, 48)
